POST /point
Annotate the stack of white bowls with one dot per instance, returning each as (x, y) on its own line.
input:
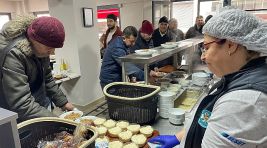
(200, 78)
(176, 116)
(174, 88)
(165, 103)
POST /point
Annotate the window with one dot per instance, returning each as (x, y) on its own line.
(4, 18)
(209, 8)
(183, 12)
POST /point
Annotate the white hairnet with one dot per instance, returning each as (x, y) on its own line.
(240, 27)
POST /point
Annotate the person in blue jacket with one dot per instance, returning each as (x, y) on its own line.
(111, 66)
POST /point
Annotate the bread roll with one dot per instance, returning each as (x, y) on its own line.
(102, 139)
(109, 124)
(99, 121)
(122, 124)
(115, 144)
(114, 132)
(147, 131)
(102, 130)
(139, 140)
(125, 136)
(134, 128)
(130, 145)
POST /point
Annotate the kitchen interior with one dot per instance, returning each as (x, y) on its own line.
(76, 66)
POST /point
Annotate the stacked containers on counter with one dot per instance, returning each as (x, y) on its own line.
(165, 103)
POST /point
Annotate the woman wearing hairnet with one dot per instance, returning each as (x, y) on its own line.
(234, 113)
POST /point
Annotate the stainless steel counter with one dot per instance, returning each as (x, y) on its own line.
(161, 54)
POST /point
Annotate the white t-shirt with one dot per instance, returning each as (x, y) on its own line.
(238, 119)
(110, 36)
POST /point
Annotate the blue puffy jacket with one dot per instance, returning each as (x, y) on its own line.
(111, 66)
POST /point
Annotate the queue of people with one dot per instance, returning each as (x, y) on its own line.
(146, 38)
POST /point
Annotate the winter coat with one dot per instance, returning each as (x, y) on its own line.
(177, 34)
(117, 33)
(193, 32)
(111, 65)
(27, 81)
(140, 43)
(158, 39)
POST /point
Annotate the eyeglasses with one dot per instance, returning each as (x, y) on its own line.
(205, 46)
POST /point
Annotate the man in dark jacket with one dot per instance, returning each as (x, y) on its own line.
(112, 32)
(162, 34)
(26, 78)
(144, 40)
(196, 30)
(111, 66)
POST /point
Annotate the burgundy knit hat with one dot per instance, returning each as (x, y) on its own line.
(147, 27)
(48, 31)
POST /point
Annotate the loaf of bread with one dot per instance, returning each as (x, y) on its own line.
(109, 124)
(125, 136)
(122, 124)
(146, 130)
(114, 132)
(134, 128)
(139, 140)
(115, 144)
(99, 121)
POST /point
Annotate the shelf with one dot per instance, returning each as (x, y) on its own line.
(70, 76)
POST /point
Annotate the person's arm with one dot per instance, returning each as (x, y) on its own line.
(130, 68)
(181, 33)
(238, 120)
(172, 36)
(180, 134)
(52, 89)
(189, 33)
(17, 90)
(136, 46)
(102, 38)
(168, 141)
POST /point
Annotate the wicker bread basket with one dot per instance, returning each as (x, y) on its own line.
(34, 130)
(136, 103)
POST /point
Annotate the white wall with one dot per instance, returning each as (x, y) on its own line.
(23, 7)
(7, 6)
(37, 5)
(81, 48)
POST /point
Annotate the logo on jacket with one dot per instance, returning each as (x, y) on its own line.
(204, 117)
(232, 139)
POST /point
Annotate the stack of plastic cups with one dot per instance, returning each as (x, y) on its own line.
(165, 103)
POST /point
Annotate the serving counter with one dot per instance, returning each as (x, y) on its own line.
(161, 54)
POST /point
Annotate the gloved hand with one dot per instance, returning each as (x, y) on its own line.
(167, 141)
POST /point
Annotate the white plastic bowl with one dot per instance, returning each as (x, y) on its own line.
(145, 52)
(176, 115)
(200, 78)
(168, 45)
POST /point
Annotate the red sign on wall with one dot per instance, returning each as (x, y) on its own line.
(102, 14)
